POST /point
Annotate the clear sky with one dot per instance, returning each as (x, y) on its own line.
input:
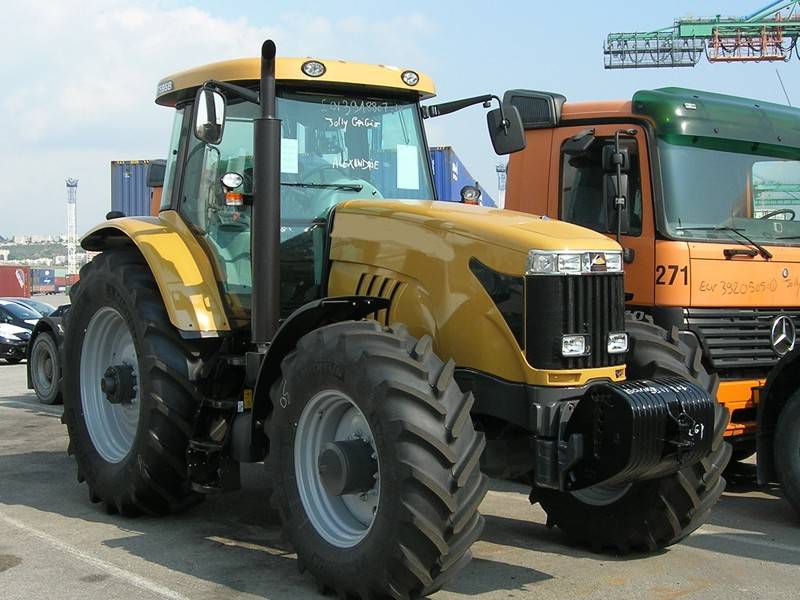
(79, 77)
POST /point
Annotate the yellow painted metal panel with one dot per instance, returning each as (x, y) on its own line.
(427, 246)
(180, 85)
(181, 268)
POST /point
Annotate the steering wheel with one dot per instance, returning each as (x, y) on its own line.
(780, 211)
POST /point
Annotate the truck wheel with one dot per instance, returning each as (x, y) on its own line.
(374, 462)
(787, 450)
(45, 369)
(647, 515)
(129, 389)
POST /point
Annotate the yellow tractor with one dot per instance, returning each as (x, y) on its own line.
(381, 357)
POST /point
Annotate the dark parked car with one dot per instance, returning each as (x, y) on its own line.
(43, 308)
(16, 314)
(13, 342)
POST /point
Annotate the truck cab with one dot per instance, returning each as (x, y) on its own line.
(711, 227)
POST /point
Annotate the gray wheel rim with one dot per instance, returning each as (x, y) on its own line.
(112, 427)
(42, 369)
(342, 521)
(602, 495)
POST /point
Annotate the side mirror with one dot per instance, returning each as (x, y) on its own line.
(155, 173)
(615, 191)
(505, 129)
(209, 116)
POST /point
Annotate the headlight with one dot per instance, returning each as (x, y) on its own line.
(543, 262)
(410, 78)
(617, 343)
(8, 338)
(574, 345)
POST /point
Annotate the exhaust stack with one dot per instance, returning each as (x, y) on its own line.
(266, 221)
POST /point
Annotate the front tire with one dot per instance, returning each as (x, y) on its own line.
(787, 451)
(45, 369)
(132, 453)
(395, 394)
(645, 516)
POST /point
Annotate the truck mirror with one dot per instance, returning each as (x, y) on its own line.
(209, 116)
(615, 189)
(505, 129)
(155, 173)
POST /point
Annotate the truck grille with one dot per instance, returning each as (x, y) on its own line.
(736, 341)
(556, 305)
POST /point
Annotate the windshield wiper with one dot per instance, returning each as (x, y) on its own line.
(761, 250)
(347, 187)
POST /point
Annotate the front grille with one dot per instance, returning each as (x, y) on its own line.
(593, 305)
(736, 341)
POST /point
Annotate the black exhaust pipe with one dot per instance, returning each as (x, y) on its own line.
(266, 221)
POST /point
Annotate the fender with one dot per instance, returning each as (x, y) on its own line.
(249, 442)
(782, 381)
(181, 268)
(52, 325)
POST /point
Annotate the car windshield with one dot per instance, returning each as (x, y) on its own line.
(41, 307)
(709, 192)
(20, 312)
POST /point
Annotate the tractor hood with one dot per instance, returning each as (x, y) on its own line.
(491, 226)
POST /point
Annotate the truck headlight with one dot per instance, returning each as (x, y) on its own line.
(574, 345)
(617, 343)
(545, 262)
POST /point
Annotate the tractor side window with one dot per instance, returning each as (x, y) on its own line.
(172, 159)
(224, 229)
(582, 199)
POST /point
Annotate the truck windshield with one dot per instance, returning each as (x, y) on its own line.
(709, 192)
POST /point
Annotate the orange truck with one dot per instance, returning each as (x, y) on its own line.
(703, 192)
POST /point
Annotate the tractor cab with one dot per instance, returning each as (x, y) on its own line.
(348, 131)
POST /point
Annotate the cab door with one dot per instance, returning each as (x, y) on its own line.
(576, 195)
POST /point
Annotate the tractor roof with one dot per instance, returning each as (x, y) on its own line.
(338, 74)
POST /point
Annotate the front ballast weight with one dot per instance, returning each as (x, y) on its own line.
(624, 432)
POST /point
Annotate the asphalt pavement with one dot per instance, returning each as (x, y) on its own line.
(55, 544)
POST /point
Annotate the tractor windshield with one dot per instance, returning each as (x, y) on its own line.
(710, 191)
(334, 148)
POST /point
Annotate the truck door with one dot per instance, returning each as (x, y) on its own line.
(576, 193)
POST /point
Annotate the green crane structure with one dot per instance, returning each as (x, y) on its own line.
(768, 34)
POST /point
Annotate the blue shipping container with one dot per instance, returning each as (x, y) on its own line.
(43, 276)
(129, 191)
(450, 175)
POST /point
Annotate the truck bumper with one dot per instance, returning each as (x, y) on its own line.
(740, 398)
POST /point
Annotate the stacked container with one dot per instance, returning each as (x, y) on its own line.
(15, 281)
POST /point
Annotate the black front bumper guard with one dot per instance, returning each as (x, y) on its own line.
(623, 432)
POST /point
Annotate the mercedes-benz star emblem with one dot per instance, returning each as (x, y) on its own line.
(783, 335)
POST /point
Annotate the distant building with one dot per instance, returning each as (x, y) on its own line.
(4, 252)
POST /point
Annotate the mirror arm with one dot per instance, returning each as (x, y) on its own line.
(233, 89)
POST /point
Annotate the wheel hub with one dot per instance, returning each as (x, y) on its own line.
(347, 467)
(119, 384)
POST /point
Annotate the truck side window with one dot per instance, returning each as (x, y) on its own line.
(582, 188)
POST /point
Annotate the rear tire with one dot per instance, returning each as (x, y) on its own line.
(648, 515)
(787, 451)
(427, 451)
(45, 369)
(151, 477)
